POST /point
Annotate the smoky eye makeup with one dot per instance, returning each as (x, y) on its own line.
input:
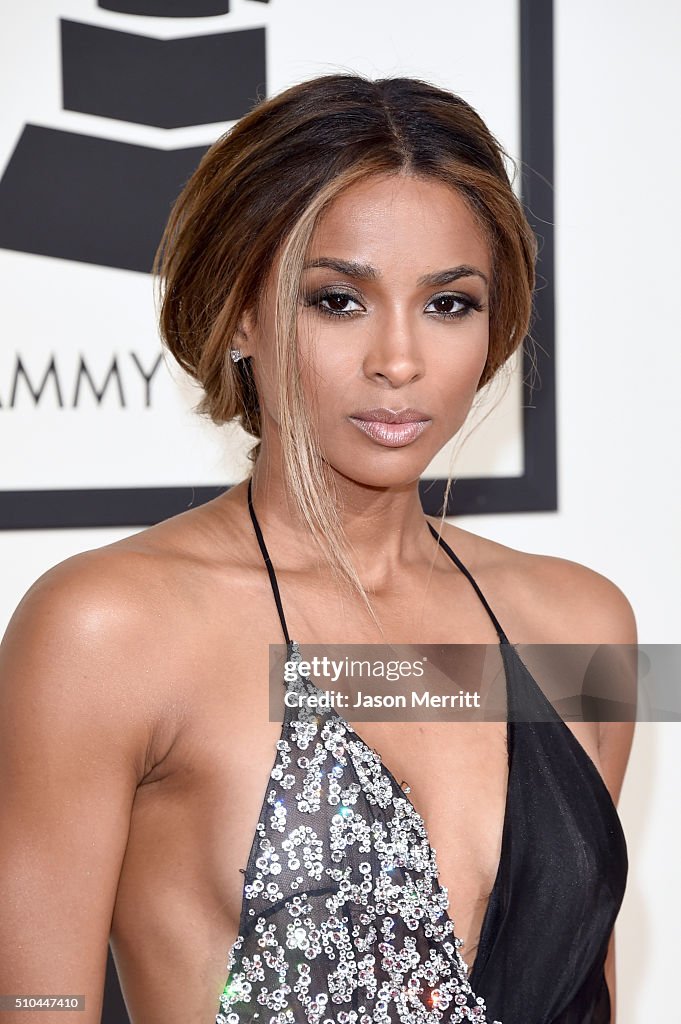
(333, 300)
(339, 303)
(467, 304)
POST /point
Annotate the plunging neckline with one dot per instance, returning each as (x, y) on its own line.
(517, 675)
(292, 645)
(502, 642)
(500, 943)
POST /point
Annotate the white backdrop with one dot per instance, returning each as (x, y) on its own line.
(618, 224)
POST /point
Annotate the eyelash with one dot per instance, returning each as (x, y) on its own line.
(469, 305)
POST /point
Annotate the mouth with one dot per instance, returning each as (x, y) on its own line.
(391, 429)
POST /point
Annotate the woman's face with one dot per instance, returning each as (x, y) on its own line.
(393, 315)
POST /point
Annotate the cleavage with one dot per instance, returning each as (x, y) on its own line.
(458, 779)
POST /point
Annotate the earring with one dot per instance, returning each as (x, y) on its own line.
(236, 354)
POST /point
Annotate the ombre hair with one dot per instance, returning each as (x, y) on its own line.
(258, 193)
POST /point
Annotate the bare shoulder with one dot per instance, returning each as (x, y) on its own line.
(578, 604)
(546, 599)
(591, 609)
(106, 627)
(135, 588)
(141, 607)
(559, 600)
(114, 592)
(582, 606)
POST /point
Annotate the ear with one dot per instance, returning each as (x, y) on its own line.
(245, 334)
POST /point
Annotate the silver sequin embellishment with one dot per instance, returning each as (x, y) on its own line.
(344, 920)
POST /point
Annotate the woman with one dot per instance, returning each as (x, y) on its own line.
(345, 270)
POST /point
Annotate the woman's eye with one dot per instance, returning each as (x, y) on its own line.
(334, 303)
(453, 305)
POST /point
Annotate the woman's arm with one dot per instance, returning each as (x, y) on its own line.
(73, 742)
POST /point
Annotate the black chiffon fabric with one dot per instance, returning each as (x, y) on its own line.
(560, 882)
(562, 874)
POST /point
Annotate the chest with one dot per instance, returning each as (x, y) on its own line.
(197, 818)
(194, 820)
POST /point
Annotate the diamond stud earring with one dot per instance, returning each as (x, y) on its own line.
(236, 354)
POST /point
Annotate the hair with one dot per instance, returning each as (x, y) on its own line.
(258, 193)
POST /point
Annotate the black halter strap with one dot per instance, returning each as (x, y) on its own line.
(275, 586)
(268, 563)
(443, 543)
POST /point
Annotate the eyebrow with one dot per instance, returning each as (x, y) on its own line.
(365, 272)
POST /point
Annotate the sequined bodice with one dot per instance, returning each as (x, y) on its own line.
(344, 919)
(343, 916)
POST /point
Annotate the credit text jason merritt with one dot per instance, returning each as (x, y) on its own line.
(414, 699)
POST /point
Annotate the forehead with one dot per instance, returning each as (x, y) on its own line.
(401, 217)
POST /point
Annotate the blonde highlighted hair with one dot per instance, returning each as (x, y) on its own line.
(258, 193)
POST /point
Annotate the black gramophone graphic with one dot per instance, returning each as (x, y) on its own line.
(98, 200)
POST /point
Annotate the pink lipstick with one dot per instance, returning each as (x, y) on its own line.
(391, 428)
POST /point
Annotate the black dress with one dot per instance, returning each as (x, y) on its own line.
(344, 920)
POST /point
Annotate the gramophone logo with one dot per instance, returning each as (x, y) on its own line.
(102, 201)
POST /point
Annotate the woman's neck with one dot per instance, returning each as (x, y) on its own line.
(385, 527)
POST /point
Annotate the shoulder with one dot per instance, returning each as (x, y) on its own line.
(575, 603)
(582, 606)
(555, 600)
(597, 612)
(546, 599)
(135, 587)
(103, 630)
(110, 591)
(144, 602)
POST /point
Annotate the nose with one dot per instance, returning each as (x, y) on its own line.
(394, 355)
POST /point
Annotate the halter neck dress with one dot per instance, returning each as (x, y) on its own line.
(344, 919)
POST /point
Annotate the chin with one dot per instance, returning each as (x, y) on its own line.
(389, 467)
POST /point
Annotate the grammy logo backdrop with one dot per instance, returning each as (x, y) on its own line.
(107, 108)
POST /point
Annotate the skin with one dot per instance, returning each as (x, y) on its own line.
(135, 743)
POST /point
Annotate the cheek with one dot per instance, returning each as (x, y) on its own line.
(330, 363)
(460, 352)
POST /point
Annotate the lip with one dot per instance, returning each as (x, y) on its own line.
(389, 428)
(383, 415)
